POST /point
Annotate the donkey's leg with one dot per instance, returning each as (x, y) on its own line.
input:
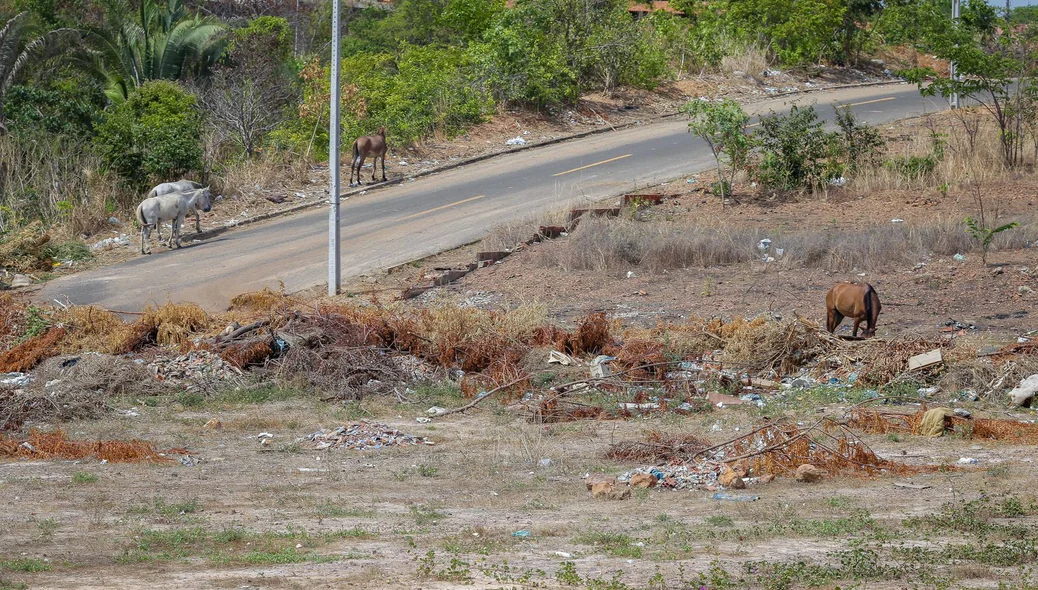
(198, 222)
(833, 319)
(383, 167)
(857, 322)
(145, 234)
(374, 167)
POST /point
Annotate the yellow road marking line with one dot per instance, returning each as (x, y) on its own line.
(448, 206)
(856, 104)
(595, 164)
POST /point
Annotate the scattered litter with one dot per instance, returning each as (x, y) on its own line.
(521, 534)
(436, 411)
(1023, 394)
(735, 497)
(968, 461)
(764, 245)
(423, 420)
(911, 486)
(600, 366)
(361, 436)
(545, 462)
(897, 220)
(517, 140)
(15, 379)
(959, 258)
(119, 240)
(264, 435)
(840, 181)
(926, 359)
(563, 554)
(561, 358)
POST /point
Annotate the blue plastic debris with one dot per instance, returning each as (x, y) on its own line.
(522, 534)
(735, 497)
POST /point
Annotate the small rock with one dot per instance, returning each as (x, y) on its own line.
(1023, 289)
(602, 489)
(20, 281)
(766, 478)
(213, 424)
(643, 480)
(619, 493)
(600, 478)
(729, 478)
(997, 271)
(809, 473)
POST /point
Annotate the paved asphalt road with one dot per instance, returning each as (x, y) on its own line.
(397, 224)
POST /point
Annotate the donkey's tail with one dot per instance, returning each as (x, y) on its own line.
(871, 314)
(356, 151)
(139, 214)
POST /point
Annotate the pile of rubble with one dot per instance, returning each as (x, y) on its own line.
(196, 366)
(361, 436)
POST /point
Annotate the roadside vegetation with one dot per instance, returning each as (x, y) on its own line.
(99, 101)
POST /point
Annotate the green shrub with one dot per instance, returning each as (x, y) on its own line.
(154, 135)
(796, 152)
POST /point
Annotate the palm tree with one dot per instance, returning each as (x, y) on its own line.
(155, 41)
(15, 53)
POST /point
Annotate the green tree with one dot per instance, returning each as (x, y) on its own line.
(153, 135)
(151, 41)
(722, 126)
(17, 51)
(989, 57)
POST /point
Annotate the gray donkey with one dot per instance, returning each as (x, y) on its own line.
(176, 187)
(170, 207)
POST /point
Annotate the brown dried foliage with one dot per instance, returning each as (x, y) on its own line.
(877, 422)
(23, 251)
(172, 324)
(592, 336)
(28, 354)
(56, 445)
(249, 353)
(266, 301)
(779, 448)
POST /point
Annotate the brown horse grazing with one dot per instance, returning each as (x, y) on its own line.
(858, 301)
(369, 145)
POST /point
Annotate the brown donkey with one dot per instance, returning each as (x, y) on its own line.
(369, 145)
(858, 301)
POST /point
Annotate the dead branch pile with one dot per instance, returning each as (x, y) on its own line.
(879, 422)
(885, 360)
(328, 352)
(780, 447)
(658, 447)
(67, 387)
(56, 445)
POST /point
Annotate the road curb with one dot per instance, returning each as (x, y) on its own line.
(475, 159)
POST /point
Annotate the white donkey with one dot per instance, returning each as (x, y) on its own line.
(176, 187)
(172, 207)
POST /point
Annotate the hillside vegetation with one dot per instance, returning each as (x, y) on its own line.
(100, 99)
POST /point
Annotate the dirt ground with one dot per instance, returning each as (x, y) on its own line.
(498, 501)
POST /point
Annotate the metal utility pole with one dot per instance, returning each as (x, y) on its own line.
(333, 161)
(951, 66)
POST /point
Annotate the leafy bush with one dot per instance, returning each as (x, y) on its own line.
(153, 135)
(66, 106)
(860, 143)
(796, 153)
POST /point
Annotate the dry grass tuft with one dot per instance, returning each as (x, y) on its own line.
(592, 336)
(879, 422)
(266, 301)
(170, 325)
(249, 353)
(22, 251)
(618, 245)
(28, 354)
(91, 328)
